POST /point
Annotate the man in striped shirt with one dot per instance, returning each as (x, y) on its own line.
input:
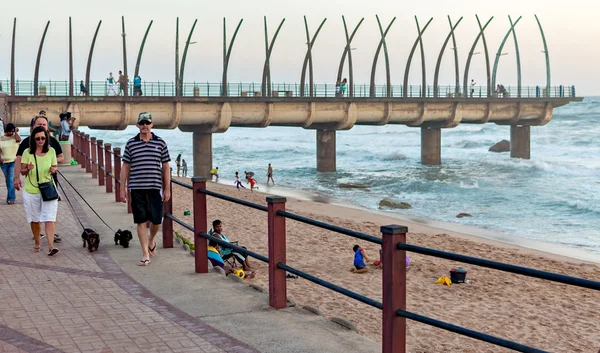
(145, 172)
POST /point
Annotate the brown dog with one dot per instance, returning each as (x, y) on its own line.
(92, 239)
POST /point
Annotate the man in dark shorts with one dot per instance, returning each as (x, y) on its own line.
(145, 172)
(39, 120)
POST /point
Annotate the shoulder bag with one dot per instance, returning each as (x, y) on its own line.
(47, 189)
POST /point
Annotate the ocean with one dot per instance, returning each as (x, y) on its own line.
(554, 197)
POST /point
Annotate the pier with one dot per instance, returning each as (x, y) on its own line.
(208, 108)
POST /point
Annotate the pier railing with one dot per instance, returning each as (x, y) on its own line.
(254, 89)
(392, 241)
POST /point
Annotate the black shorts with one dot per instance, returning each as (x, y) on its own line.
(146, 205)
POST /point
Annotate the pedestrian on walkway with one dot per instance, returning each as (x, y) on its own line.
(110, 85)
(82, 89)
(178, 163)
(42, 121)
(40, 160)
(473, 84)
(145, 172)
(9, 144)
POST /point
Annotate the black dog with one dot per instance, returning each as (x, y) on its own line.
(123, 237)
(92, 239)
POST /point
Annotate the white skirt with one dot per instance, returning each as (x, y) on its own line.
(38, 210)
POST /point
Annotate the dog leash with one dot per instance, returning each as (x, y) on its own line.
(84, 200)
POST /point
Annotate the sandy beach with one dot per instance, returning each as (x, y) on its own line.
(545, 315)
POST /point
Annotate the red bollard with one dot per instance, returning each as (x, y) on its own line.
(100, 149)
(73, 148)
(88, 154)
(94, 158)
(117, 153)
(394, 289)
(200, 225)
(167, 225)
(82, 149)
(276, 240)
(108, 167)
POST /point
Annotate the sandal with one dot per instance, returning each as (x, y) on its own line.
(152, 251)
(52, 252)
(57, 238)
(36, 249)
(144, 262)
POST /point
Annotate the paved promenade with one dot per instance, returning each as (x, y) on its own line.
(103, 302)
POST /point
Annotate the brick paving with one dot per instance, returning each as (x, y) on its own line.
(82, 302)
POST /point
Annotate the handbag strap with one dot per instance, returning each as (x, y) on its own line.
(37, 175)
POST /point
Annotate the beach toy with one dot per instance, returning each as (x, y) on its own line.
(187, 213)
(239, 273)
(407, 261)
(458, 275)
(73, 162)
(444, 280)
(376, 262)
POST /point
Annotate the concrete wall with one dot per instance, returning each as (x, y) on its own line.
(216, 115)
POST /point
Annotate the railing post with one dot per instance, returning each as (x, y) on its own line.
(276, 241)
(100, 149)
(108, 167)
(94, 158)
(82, 149)
(167, 224)
(117, 152)
(394, 289)
(74, 145)
(88, 161)
(200, 225)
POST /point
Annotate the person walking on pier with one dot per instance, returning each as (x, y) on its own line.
(123, 83)
(82, 89)
(270, 174)
(137, 86)
(110, 86)
(9, 144)
(343, 87)
(472, 87)
(40, 159)
(145, 172)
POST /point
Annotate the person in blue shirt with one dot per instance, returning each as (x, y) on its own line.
(359, 260)
(137, 86)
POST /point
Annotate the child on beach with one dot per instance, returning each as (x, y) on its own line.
(237, 181)
(359, 260)
(252, 183)
(215, 172)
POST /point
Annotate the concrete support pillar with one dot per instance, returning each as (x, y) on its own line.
(202, 155)
(326, 151)
(431, 146)
(520, 137)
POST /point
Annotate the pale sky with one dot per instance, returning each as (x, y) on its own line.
(571, 27)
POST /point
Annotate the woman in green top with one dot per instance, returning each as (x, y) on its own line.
(39, 161)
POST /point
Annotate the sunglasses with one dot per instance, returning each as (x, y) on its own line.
(41, 138)
(144, 122)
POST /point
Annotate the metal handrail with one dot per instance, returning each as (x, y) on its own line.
(330, 227)
(251, 89)
(188, 186)
(234, 200)
(525, 271)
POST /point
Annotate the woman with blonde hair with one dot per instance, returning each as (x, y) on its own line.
(39, 195)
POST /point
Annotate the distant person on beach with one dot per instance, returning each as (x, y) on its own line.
(252, 183)
(82, 89)
(379, 263)
(237, 181)
(178, 163)
(145, 172)
(123, 83)
(9, 144)
(183, 168)
(226, 253)
(215, 172)
(137, 86)
(360, 265)
(270, 174)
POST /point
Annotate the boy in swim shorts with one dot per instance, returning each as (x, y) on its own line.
(359, 260)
